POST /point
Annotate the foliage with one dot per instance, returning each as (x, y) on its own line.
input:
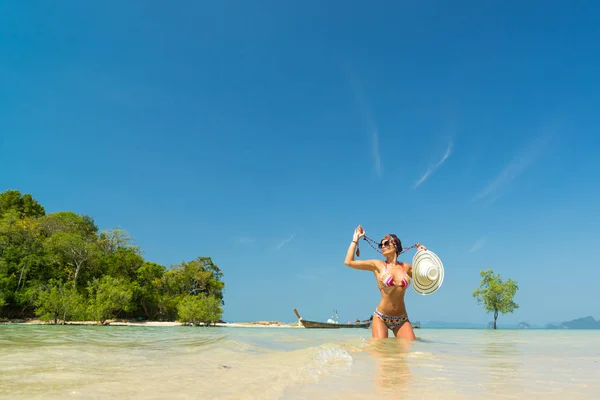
(147, 288)
(57, 301)
(196, 310)
(73, 251)
(60, 267)
(195, 277)
(24, 205)
(495, 295)
(107, 296)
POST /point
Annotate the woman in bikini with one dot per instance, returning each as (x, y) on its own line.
(393, 278)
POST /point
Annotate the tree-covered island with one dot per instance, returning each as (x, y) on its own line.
(59, 267)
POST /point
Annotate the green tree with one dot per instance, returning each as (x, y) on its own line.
(21, 259)
(107, 296)
(146, 288)
(31, 248)
(68, 222)
(114, 239)
(198, 276)
(25, 205)
(73, 250)
(495, 295)
(4, 286)
(196, 310)
(123, 262)
(57, 301)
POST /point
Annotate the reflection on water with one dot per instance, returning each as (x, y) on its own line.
(502, 357)
(391, 367)
(54, 362)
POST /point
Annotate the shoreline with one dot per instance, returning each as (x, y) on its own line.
(124, 322)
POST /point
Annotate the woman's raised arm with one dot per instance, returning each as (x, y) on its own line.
(367, 265)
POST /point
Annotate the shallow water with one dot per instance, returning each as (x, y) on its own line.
(96, 362)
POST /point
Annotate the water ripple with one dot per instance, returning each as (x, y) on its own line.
(169, 362)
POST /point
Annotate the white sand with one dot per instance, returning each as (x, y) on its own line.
(256, 324)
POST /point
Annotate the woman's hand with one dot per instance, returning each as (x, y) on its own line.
(421, 247)
(359, 232)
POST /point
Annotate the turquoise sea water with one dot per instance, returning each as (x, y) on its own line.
(95, 362)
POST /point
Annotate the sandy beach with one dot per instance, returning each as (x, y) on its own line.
(122, 322)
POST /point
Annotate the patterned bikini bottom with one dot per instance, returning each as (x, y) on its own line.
(392, 321)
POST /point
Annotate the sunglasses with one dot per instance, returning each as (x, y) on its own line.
(385, 243)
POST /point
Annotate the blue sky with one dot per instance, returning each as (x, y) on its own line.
(262, 134)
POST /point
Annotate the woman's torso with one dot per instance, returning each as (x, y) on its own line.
(392, 298)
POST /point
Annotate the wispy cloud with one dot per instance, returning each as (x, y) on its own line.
(364, 109)
(436, 166)
(477, 245)
(520, 162)
(284, 242)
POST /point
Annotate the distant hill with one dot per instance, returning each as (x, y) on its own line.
(470, 325)
(579, 323)
(451, 325)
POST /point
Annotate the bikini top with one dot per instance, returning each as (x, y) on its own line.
(388, 280)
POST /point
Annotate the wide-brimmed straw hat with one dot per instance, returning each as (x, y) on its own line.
(427, 272)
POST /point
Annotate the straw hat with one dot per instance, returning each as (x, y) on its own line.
(428, 272)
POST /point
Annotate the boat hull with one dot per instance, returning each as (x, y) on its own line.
(326, 325)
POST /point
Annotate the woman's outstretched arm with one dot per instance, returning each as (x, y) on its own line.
(368, 265)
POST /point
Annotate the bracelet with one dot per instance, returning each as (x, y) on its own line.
(355, 241)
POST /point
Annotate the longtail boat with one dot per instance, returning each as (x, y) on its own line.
(329, 325)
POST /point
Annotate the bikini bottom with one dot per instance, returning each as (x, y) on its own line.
(392, 321)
